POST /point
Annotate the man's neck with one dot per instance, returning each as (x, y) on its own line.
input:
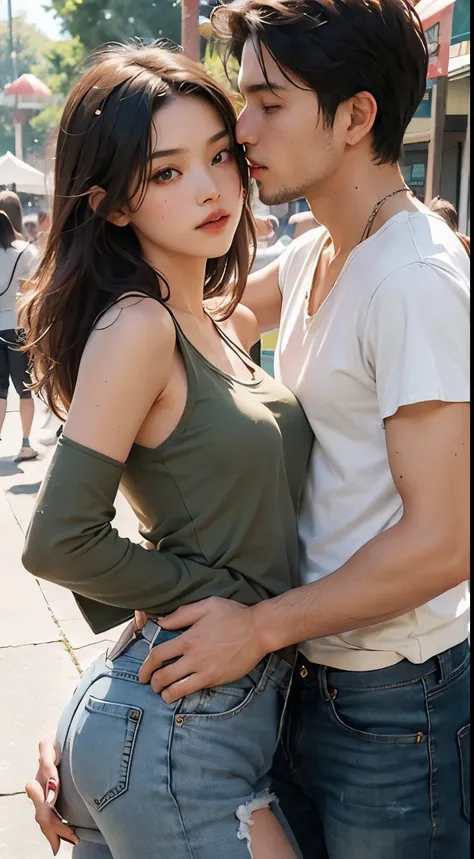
(344, 206)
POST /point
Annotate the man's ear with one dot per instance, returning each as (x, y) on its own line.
(96, 196)
(362, 117)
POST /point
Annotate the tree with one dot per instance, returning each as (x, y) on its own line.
(57, 64)
(30, 45)
(96, 22)
(64, 61)
(225, 75)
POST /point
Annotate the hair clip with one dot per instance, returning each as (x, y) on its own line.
(317, 21)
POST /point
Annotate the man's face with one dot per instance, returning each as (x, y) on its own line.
(290, 151)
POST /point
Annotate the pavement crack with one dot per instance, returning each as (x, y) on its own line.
(13, 793)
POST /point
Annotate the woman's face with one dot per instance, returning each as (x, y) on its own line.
(193, 199)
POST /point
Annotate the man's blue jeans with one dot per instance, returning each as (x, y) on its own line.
(375, 764)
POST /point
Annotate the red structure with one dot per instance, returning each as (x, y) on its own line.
(28, 85)
(25, 95)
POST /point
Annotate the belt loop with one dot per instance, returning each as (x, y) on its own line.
(445, 664)
(323, 682)
(266, 673)
(155, 636)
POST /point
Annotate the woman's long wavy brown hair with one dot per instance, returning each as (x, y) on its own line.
(104, 140)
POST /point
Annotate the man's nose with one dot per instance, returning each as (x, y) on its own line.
(246, 132)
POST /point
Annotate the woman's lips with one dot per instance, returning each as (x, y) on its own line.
(215, 226)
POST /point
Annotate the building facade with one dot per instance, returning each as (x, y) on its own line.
(455, 172)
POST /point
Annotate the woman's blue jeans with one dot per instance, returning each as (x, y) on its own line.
(141, 779)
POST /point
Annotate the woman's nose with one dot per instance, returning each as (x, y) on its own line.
(208, 190)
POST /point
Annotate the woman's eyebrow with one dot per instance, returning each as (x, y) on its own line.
(164, 153)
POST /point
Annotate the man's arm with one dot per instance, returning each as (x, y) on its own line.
(263, 297)
(424, 555)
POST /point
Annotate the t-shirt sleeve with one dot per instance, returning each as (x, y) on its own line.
(295, 258)
(417, 338)
(285, 265)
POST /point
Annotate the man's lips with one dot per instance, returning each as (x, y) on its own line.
(255, 168)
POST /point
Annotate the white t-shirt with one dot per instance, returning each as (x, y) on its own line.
(394, 330)
(26, 266)
(267, 255)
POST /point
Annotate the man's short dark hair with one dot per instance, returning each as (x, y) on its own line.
(11, 204)
(339, 48)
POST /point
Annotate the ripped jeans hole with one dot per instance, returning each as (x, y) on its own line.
(245, 815)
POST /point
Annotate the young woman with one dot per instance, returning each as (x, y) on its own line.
(17, 262)
(136, 332)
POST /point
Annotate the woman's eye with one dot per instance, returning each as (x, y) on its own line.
(222, 156)
(165, 175)
(270, 108)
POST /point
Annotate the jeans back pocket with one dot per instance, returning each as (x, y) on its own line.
(102, 750)
(464, 746)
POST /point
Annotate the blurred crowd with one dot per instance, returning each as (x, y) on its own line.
(22, 244)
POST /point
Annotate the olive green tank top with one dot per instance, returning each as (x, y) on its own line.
(219, 499)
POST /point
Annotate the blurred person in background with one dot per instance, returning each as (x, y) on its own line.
(30, 227)
(448, 212)
(51, 427)
(18, 261)
(10, 203)
(44, 224)
(301, 222)
(270, 244)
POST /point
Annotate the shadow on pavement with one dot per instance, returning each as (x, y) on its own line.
(25, 488)
(8, 467)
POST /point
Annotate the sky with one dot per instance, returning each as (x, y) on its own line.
(33, 11)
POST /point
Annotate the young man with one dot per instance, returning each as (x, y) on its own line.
(373, 313)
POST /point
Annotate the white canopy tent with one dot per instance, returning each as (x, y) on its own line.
(27, 179)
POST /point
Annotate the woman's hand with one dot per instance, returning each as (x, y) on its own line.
(43, 792)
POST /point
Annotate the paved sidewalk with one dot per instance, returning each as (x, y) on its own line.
(44, 643)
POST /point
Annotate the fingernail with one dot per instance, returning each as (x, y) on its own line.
(51, 791)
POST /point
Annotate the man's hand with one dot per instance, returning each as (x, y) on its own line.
(221, 645)
(140, 620)
(43, 792)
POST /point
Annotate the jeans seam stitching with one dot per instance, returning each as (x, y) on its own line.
(228, 714)
(432, 771)
(170, 787)
(380, 739)
(444, 687)
(463, 732)
(127, 752)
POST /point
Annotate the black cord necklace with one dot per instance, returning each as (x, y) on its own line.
(377, 208)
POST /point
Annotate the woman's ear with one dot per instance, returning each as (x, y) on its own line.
(96, 196)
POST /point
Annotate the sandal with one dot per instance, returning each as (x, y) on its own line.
(26, 453)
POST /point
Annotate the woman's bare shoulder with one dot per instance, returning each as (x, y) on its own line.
(245, 326)
(139, 318)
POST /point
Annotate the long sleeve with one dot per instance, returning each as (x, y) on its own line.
(70, 541)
